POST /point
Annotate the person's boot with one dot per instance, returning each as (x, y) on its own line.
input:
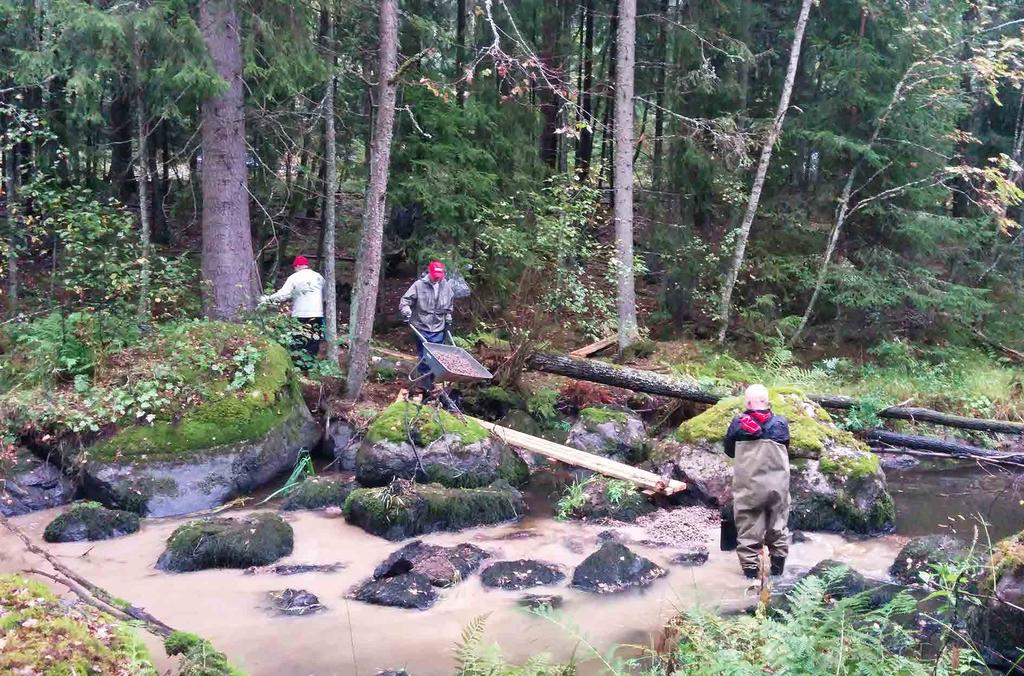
(750, 573)
(778, 565)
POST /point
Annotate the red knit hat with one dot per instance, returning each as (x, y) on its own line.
(300, 260)
(436, 269)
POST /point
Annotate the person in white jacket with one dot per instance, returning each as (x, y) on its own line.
(305, 289)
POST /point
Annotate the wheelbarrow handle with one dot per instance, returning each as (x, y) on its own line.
(424, 338)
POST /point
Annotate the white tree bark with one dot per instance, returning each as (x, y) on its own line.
(330, 194)
(762, 170)
(368, 262)
(623, 166)
(145, 238)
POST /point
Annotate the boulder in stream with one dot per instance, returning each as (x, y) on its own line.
(408, 590)
(443, 566)
(342, 442)
(255, 540)
(449, 451)
(691, 555)
(403, 508)
(318, 493)
(521, 574)
(295, 602)
(614, 568)
(921, 553)
(226, 440)
(836, 482)
(1000, 625)
(31, 484)
(615, 433)
(599, 497)
(91, 521)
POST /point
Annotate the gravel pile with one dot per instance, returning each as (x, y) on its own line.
(673, 527)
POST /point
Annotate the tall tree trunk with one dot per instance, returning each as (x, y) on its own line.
(228, 267)
(623, 187)
(585, 144)
(13, 234)
(547, 95)
(659, 97)
(330, 192)
(145, 183)
(762, 170)
(121, 175)
(609, 123)
(460, 52)
(368, 263)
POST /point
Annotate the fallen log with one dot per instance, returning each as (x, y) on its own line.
(944, 446)
(655, 383)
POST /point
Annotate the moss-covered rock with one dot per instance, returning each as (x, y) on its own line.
(318, 493)
(602, 498)
(91, 521)
(811, 429)
(920, 554)
(447, 450)
(403, 508)
(256, 540)
(836, 482)
(40, 634)
(1000, 626)
(198, 656)
(226, 417)
(490, 402)
(610, 432)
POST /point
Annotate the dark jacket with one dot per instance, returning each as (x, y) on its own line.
(755, 425)
(428, 307)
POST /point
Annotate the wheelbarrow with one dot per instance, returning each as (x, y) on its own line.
(447, 363)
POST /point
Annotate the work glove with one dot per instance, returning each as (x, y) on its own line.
(406, 320)
(448, 327)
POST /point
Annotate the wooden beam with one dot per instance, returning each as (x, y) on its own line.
(578, 458)
(594, 348)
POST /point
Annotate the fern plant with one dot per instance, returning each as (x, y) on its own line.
(474, 658)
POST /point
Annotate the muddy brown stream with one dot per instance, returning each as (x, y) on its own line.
(228, 607)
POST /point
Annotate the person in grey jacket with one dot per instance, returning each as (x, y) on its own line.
(427, 306)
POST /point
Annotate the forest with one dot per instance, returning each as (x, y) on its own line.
(651, 205)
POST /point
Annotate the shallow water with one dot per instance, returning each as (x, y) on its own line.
(229, 607)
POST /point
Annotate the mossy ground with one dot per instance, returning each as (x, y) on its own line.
(42, 635)
(425, 423)
(318, 493)
(849, 465)
(598, 415)
(256, 540)
(810, 426)
(90, 521)
(404, 509)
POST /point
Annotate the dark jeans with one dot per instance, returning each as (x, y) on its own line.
(307, 338)
(436, 338)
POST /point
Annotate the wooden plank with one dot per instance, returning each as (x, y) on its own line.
(594, 348)
(578, 458)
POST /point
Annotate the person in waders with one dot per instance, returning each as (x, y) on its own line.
(427, 306)
(305, 289)
(759, 441)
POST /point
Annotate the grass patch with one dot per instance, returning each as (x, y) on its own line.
(198, 656)
(598, 415)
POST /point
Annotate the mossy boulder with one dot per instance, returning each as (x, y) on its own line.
(403, 508)
(91, 521)
(318, 493)
(920, 554)
(610, 432)
(198, 657)
(256, 540)
(1000, 626)
(235, 432)
(41, 634)
(30, 484)
(490, 402)
(448, 450)
(836, 483)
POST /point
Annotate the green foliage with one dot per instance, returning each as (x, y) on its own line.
(813, 635)
(601, 497)
(541, 404)
(255, 540)
(473, 658)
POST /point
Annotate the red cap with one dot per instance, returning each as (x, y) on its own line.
(300, 260)
(436, 269)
